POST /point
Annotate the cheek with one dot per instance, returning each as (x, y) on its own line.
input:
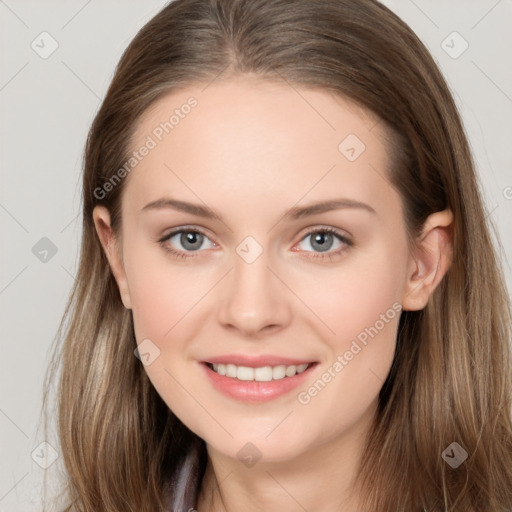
(365, 321)
(163, 293)
(360, 305)
(352, 297)
(166, 298)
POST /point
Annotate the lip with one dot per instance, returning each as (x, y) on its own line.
(256, 361)
(254, 391)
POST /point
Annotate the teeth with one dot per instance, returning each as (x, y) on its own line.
(279, 372)
(244, 373)
(231, 371)
(291, 370)
(261, 374)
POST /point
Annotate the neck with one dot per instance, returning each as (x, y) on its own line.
(322, 478)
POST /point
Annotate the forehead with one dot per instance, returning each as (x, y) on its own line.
(246, 138)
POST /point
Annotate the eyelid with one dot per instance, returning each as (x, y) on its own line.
(342, 235)
(185, 228)
(305, 231)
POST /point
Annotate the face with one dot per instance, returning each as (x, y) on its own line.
(265, 281)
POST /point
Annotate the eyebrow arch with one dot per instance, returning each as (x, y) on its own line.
(292, 214)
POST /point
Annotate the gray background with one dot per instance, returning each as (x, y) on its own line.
(47, 105)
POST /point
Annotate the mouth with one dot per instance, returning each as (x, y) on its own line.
(256, 384)
(259, 374)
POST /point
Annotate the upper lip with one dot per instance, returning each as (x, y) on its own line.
(256, 361)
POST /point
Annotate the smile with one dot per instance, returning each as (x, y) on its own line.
(261, 374)
(256, 384)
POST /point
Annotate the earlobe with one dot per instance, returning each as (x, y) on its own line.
(108, 240)
(429, 260)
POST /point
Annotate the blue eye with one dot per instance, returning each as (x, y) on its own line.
(192, 240)
(323, 240)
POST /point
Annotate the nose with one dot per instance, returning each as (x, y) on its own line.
(254, 300)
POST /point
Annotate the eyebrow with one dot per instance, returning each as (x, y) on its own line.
(294, 213)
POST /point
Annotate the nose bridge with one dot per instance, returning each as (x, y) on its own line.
(254, 297)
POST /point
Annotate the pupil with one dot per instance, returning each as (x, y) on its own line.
(191, 238)
(319, 238)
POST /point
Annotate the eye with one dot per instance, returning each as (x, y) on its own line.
(190, 239)
(323, 239)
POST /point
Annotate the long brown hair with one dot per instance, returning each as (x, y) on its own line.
(451, 377)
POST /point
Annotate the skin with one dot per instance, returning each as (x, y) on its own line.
(251, 150)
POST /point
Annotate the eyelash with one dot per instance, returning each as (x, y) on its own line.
(321, 256)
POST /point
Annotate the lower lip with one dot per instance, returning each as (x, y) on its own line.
(254, 391)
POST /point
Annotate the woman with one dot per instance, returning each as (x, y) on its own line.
(337, 335)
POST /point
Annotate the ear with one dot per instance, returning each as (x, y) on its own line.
(110, 245)
(429, 261)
